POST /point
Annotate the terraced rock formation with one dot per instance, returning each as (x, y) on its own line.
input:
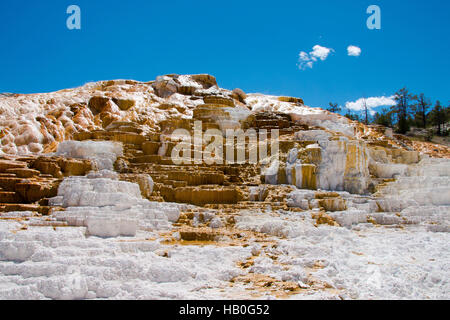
(116, 190)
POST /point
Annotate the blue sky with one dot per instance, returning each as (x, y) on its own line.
(253, 45)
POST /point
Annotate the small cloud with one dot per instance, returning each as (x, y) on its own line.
(354, 51)
(371, 103)
(303, 56)
(307, 60)
(321, 52)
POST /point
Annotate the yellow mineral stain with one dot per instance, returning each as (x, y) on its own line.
(309, 177)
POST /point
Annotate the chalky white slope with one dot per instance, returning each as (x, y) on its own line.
(401, 253)
(62, 263)
(364, 262)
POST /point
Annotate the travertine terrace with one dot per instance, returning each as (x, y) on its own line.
(92, 205)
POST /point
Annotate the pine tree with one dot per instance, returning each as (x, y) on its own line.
(402, 109)
(366, 112)
(350, 115)
(439, 117)
(334, 107)
(421, 110)
(384, 118)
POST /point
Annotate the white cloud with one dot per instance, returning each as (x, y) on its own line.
(321, 52)
(372, 103)
(307, 60)
(354, 51)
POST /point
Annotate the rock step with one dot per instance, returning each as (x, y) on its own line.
(9, 207)
(125, 127)
(8, 175)
(11, 164)
(273, 123)
(109, 135)
(170, 125)
(197, 178)
(24, 172)
(124, 137)
(9, 183)
(133, 153)
(219, 101)
(198, 234)
(201, 195)
(151, 147)
(298, 101)
(272, 115)
(211, 113)
(151, 159)
(44, 223)
(175, 183)
(9, 197)
(35, 191)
